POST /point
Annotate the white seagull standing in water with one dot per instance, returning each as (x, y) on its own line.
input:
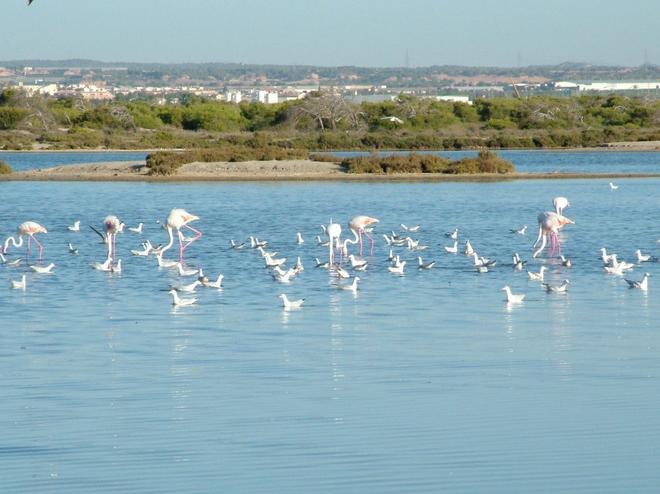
(19, 285)
(642, 284)
(511, 298)
(291, 304)
(179, 302)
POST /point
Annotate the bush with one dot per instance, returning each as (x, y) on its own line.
(486, 162)
(10, 118)
(5, 169)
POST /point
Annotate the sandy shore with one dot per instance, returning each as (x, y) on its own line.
(290, 170)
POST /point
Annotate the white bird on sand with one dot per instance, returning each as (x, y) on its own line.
(352, 287)
(19, 285)
(43, 270)
(179, 302)
(189, 288)
(566, 262)
(421, 264)
(116, 268)
(520, 231)
(468, 251)
(511, 298)
(188, 272)
(322, 265)
(137, 229)
(642, 257)
(75, 227)
(613, 187)
(398, 269)
(299, 238)
(642, 284)
(72, 249)
(556, 288)
(213, 284)
(536, 276)
(291, 304)
(453, 249)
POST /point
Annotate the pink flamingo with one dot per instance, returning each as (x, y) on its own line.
(178, 219)
(112, 226)
(560, 203)
(549, 225)
(334, 232)
(360, 224)
(29, 228)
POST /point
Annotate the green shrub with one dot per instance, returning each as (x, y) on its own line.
(5, 169)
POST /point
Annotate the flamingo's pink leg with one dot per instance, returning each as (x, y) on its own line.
(41, 249)
(27, 252)
(360, 240)
(371, 239)
(198, 235)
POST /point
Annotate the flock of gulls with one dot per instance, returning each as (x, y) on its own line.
(345, 260)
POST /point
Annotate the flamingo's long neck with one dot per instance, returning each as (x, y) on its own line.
(13, 241)
(171, 242)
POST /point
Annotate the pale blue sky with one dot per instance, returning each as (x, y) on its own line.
(334, 32)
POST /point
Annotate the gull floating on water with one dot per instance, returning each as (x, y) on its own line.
(453, 249)
(236, 246)
(19, 285)
(291, 304)
(146, 249)
(411, 229)
(72, 249)
(352, 287)
(518, 263)
(105, 266)
(189, 288)
(453, 235)
(116, 268)
(643, 257)
(179, 302)
(566, 262)
(482, 269)
(421, 264)
(536, 276)
(254, 243)
(188, 272)
(298, 267)
(322, 265)
(613, 187)
(398, 268)
(355, 262)
(165, 263)
(556, 288)
(511, 298)
(605, 257)
(520, 231)
(341, 272)
(137, 229)
(75, 227)
(468, 251)
(299, 238)
(642, 284)
(213, 284)
(43, 270)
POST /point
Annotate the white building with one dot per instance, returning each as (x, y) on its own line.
(455, 99)
(620, 86)
(233, 97)
(267, 97)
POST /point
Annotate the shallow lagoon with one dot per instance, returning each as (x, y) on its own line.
(421, 383)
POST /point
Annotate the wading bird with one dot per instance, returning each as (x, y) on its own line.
(176, 220)
(29, 228)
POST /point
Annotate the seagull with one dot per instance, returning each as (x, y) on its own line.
(642, 284)
(189, 288)
(362, 267)
(453, 249)
(390, 256)
(352, 287)
(398, 269)
(19, 285)
(482, 269)
(116, 268)
(137, 229)
(566, 262)
(284, 277)
(298, 267)
(146, 250)
(236, 246)
(605, 257)
(519, 231)
(322, 243)
(291, 304)
(453, 235)
(341, 272)
(625, 266)
(468, 248)
(421, 264)
(105, 266)
(411, 229)
(72, 249)
(178, 302)
(355, 262)
(322, 265)
(187, 272)
(613, 187)
(617, 269)
(254, 243)
(511, 298)
(271, 263)
(556, 288)
(299, 239)
(75, 227)
(518, 263)
(43, 270)
(165, 263)
(213, 284)
(643, 257)
(536, 276)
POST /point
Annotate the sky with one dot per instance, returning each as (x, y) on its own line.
(372, 33)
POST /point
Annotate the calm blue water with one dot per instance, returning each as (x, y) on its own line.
(32, 161)
(525, 161)
(534, 161)
(425, 383)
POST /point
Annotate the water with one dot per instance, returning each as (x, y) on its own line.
(532, 161)
(32, 161)
(422, 383)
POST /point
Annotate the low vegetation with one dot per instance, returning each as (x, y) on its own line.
(485, 162)
(5, 169)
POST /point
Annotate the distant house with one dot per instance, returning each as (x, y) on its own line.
(455, 99)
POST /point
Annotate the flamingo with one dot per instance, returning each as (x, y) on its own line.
(178, 219)
(549, 225)
(112, 226)
(29, 228)
(560, 203)
(334, 232)
(360, 224)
